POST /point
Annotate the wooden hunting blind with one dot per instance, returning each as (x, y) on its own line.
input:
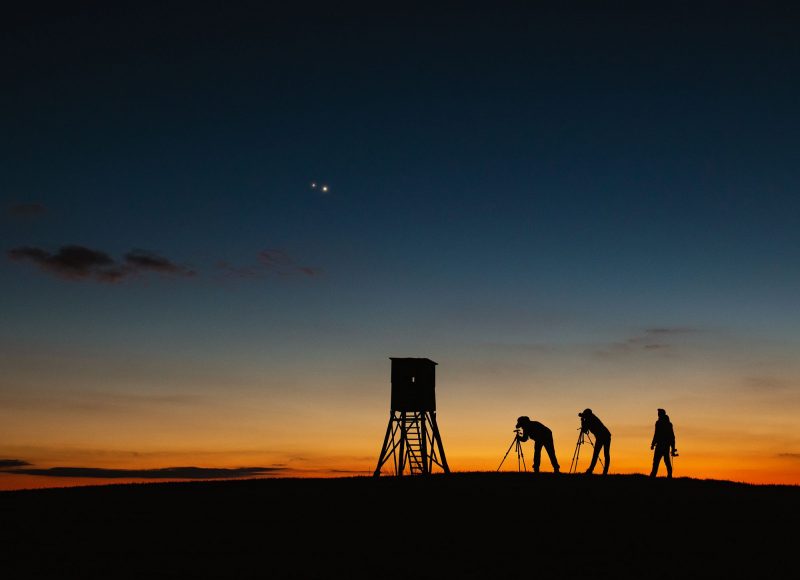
(413, 384)
(412, 437)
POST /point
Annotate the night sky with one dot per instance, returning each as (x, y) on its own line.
(564, 207)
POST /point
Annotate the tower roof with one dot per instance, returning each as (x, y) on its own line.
(410, 358)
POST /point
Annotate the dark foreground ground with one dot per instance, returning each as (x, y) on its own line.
(458, 525)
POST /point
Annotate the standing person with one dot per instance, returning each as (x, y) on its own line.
(602, 438)
(542, 436)
(663, 443)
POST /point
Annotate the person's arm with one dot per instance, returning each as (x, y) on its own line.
(655, 433)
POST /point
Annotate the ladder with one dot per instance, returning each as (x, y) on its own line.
(412, 441)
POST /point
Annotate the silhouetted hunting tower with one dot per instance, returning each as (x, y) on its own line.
(412, 437)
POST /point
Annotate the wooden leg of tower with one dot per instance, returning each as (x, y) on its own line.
(401, 464)
(382, 458)
(427, 465)
(435, 429)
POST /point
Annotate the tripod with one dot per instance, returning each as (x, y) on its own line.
(574, 465)
(520, 457)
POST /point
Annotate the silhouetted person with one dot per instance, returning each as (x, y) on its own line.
(602, 438)
(542, 437)
(663, 443)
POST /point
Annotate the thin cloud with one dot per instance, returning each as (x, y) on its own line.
(228, 270)
(791, 456)
(144, 260)
(309, 271)
(268, 262)
(11, 463)
(276, 259)
(671, 330)
(79, 263)
(27, 209)
(163, 473)
(279, 262)
(767, 384)
(651, 339)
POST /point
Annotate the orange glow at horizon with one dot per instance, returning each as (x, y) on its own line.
(330, 422)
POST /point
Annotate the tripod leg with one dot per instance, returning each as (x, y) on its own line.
(507, 451)
(574, 465)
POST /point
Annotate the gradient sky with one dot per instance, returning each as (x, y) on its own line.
(563, 207)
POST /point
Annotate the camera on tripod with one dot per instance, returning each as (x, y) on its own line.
(516, 442)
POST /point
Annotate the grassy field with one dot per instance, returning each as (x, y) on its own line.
(457, 525)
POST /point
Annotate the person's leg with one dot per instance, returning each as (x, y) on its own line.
(551, 453)
(607, 455)
(537, 456)
(595, 455)
(656, 461)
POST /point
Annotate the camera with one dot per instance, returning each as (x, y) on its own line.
(675, 453)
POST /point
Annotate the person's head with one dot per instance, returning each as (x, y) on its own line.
(586, 414)
(522, 421)
(662, 413)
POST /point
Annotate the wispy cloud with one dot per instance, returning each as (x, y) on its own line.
(140, 260)
(227, 270)
(791, 456)
(268, 262)
(649, 340)
(79, 263)
(767, 384)
(162, 473)
(281, 263)
(308, 271)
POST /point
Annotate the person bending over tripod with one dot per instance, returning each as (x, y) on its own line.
(663, 443)
(542, 437)
(602, 438)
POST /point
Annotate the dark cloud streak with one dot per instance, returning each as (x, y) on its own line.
(78, 263)
(11, 463)
(71, 263)
(163, 473)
